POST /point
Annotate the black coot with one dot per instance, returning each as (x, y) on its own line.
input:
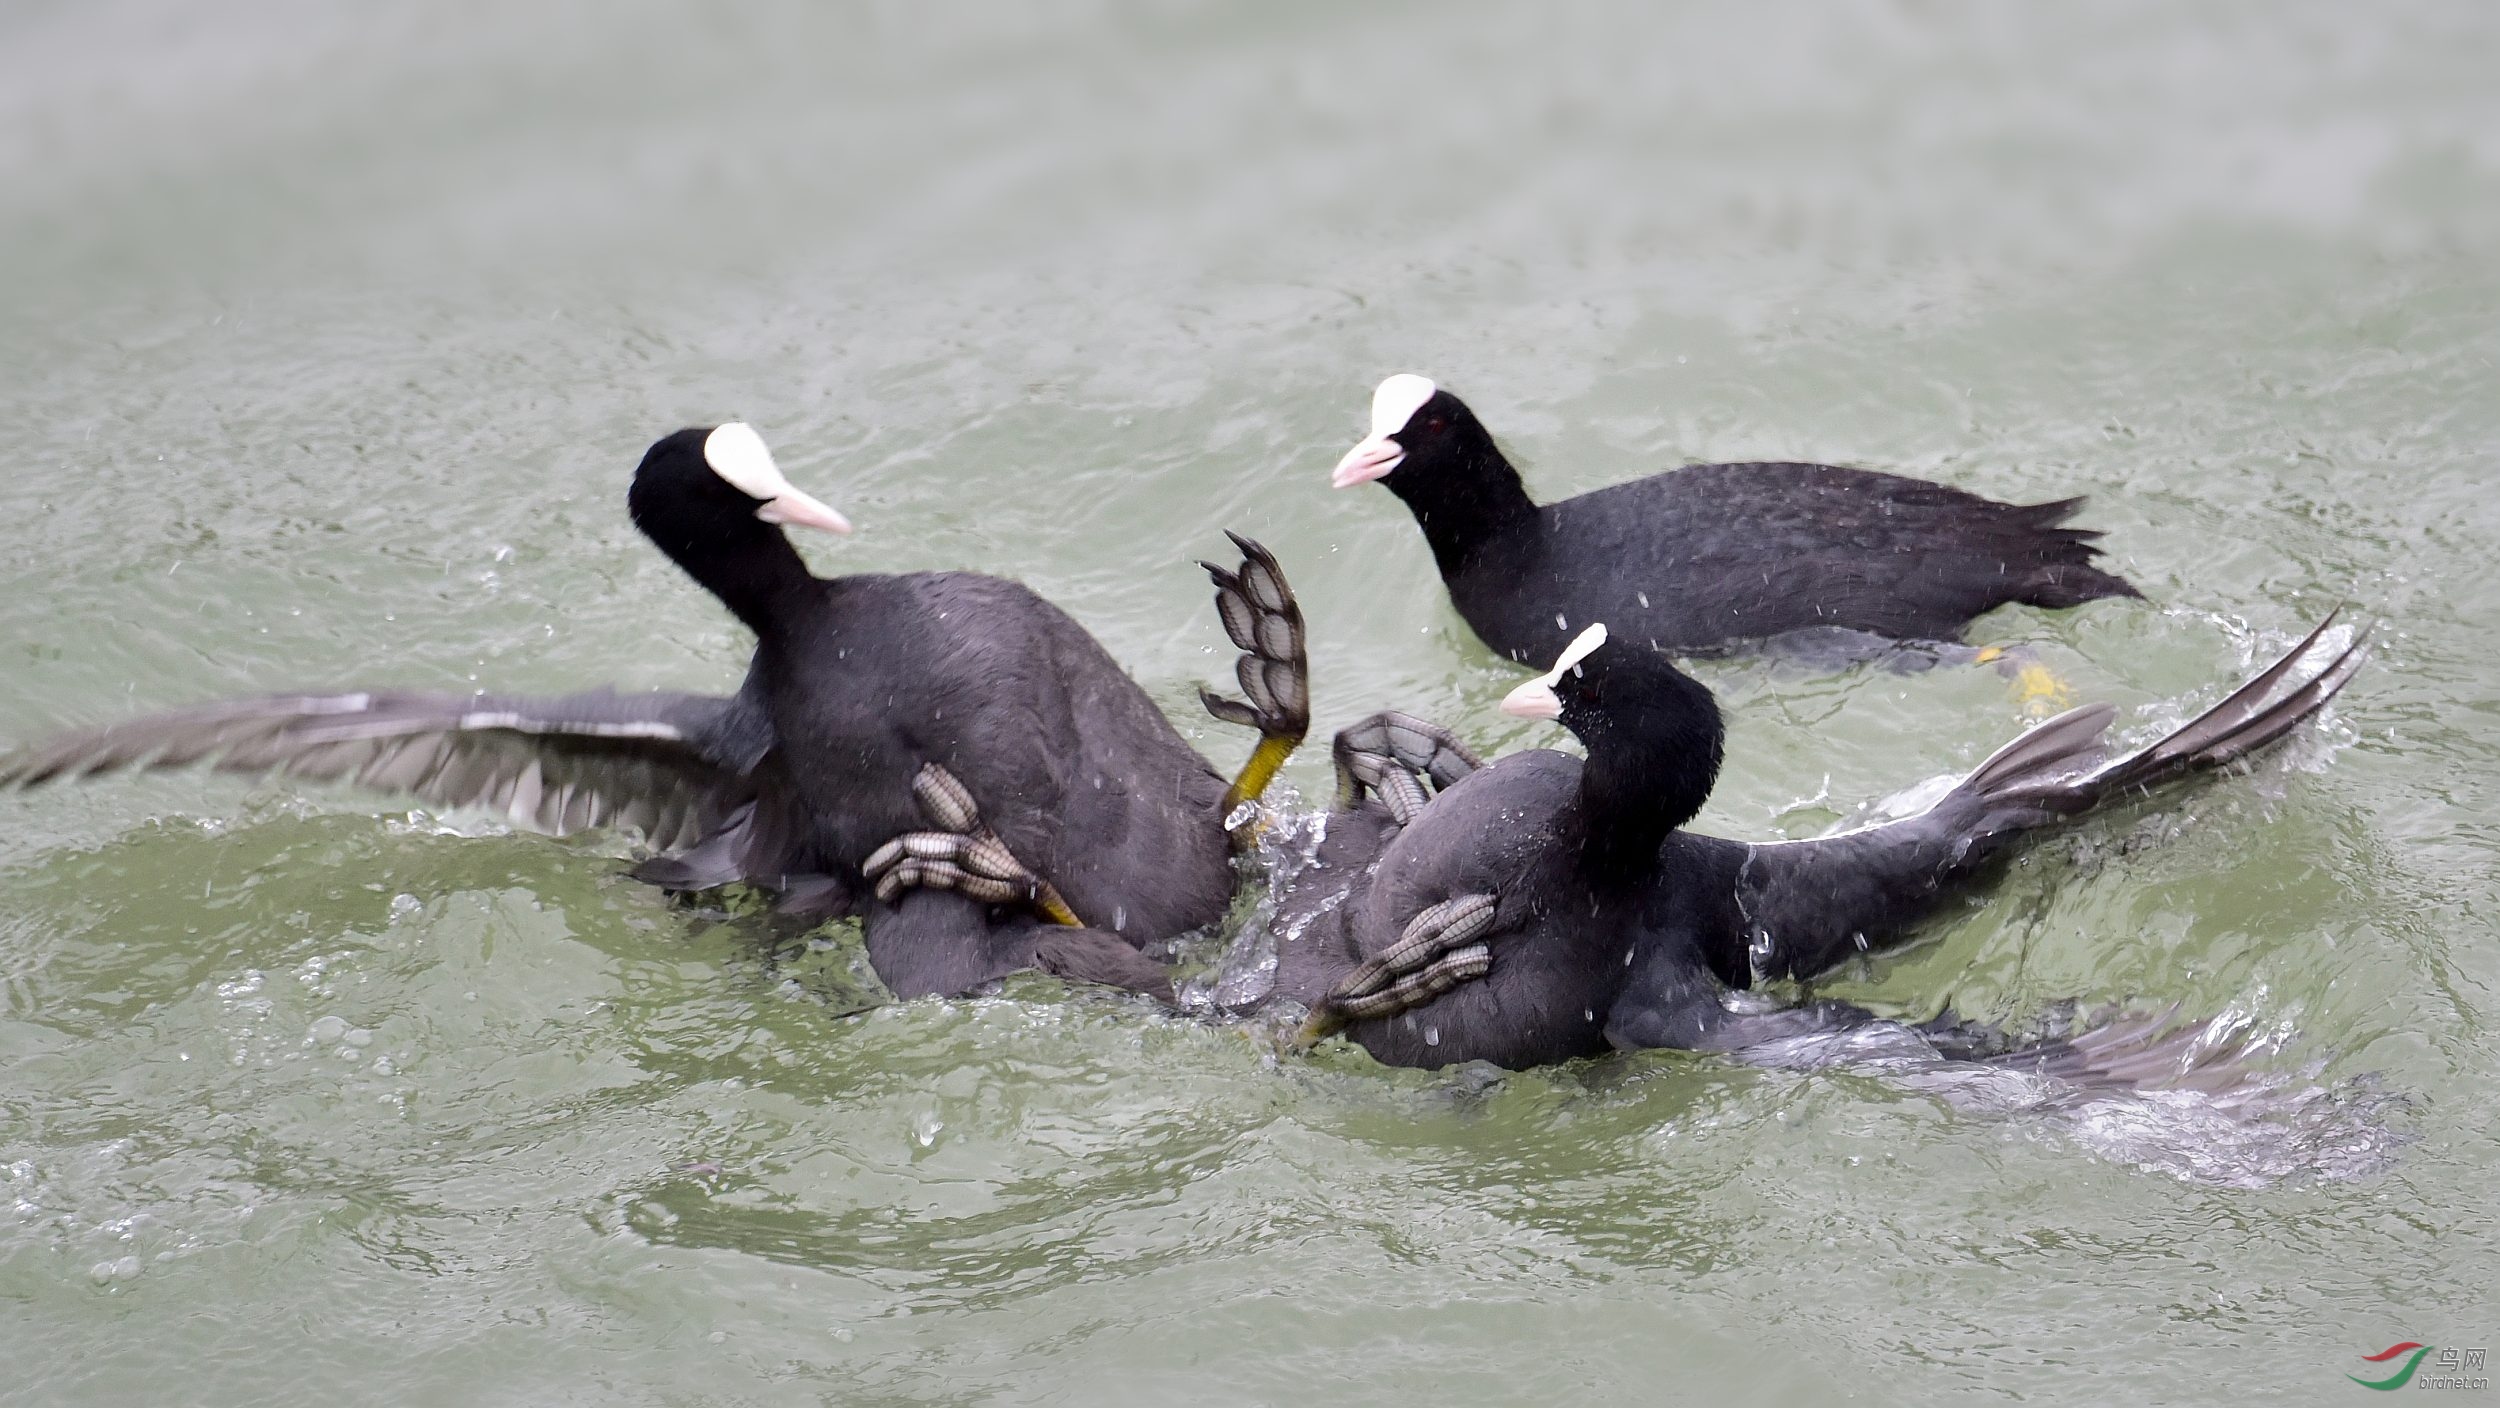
(1542, 908)
(877, 707)
(1700, 558)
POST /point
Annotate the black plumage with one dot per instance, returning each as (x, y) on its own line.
(858, 682)
(1611, 927)
(1705, 557)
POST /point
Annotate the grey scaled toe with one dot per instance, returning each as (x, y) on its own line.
(1264, 620)
(1435, 953)
(963, 854)
(1401, 759)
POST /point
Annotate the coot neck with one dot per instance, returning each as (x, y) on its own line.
(1646, 776)
(756, 574)
(1463, 501)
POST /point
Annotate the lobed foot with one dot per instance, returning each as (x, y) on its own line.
(2037, 688)
(1438, 950)
(1402, 759)
(963, 854)
(1260, 614)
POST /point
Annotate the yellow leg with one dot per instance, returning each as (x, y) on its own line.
(1055, 908)
(1265, 761)
(1322, 1024)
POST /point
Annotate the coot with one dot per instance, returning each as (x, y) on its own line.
(1544, 907)
(1701, 558)
(877, 708)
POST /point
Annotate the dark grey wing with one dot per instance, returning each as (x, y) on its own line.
(1673, 996)
(2114, 1052)
(2249, 718)
(1881, 552)
(672, 766)
(1803, 906)
(2117, 1050)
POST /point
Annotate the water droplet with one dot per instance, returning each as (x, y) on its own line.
(1119, 917)
(1644, 596)
(1860, 940)
(1559, 623)
(925, 1129)
(1587, 1016)
(1432, 1036)
(1627, 958)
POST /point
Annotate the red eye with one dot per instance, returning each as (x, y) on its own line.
(1436, 423)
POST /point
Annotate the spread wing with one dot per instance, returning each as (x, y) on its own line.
(1811, 903)
(673, 766)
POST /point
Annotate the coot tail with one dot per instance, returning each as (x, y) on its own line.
(2063, 573)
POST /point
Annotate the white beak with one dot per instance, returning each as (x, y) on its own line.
(796, 510)
(737, 454)
(1534, 700)
(1368, 460)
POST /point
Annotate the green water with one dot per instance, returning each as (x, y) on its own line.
(330, 333)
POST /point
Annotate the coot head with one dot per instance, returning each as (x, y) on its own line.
(1653, 733)
(1602, 688)
(716, 484)
(1417, 428)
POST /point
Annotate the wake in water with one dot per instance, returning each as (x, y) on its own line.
(2201, 1100)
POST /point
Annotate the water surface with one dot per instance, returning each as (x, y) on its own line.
(330, 336)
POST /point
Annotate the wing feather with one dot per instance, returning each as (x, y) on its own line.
(649, 762)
